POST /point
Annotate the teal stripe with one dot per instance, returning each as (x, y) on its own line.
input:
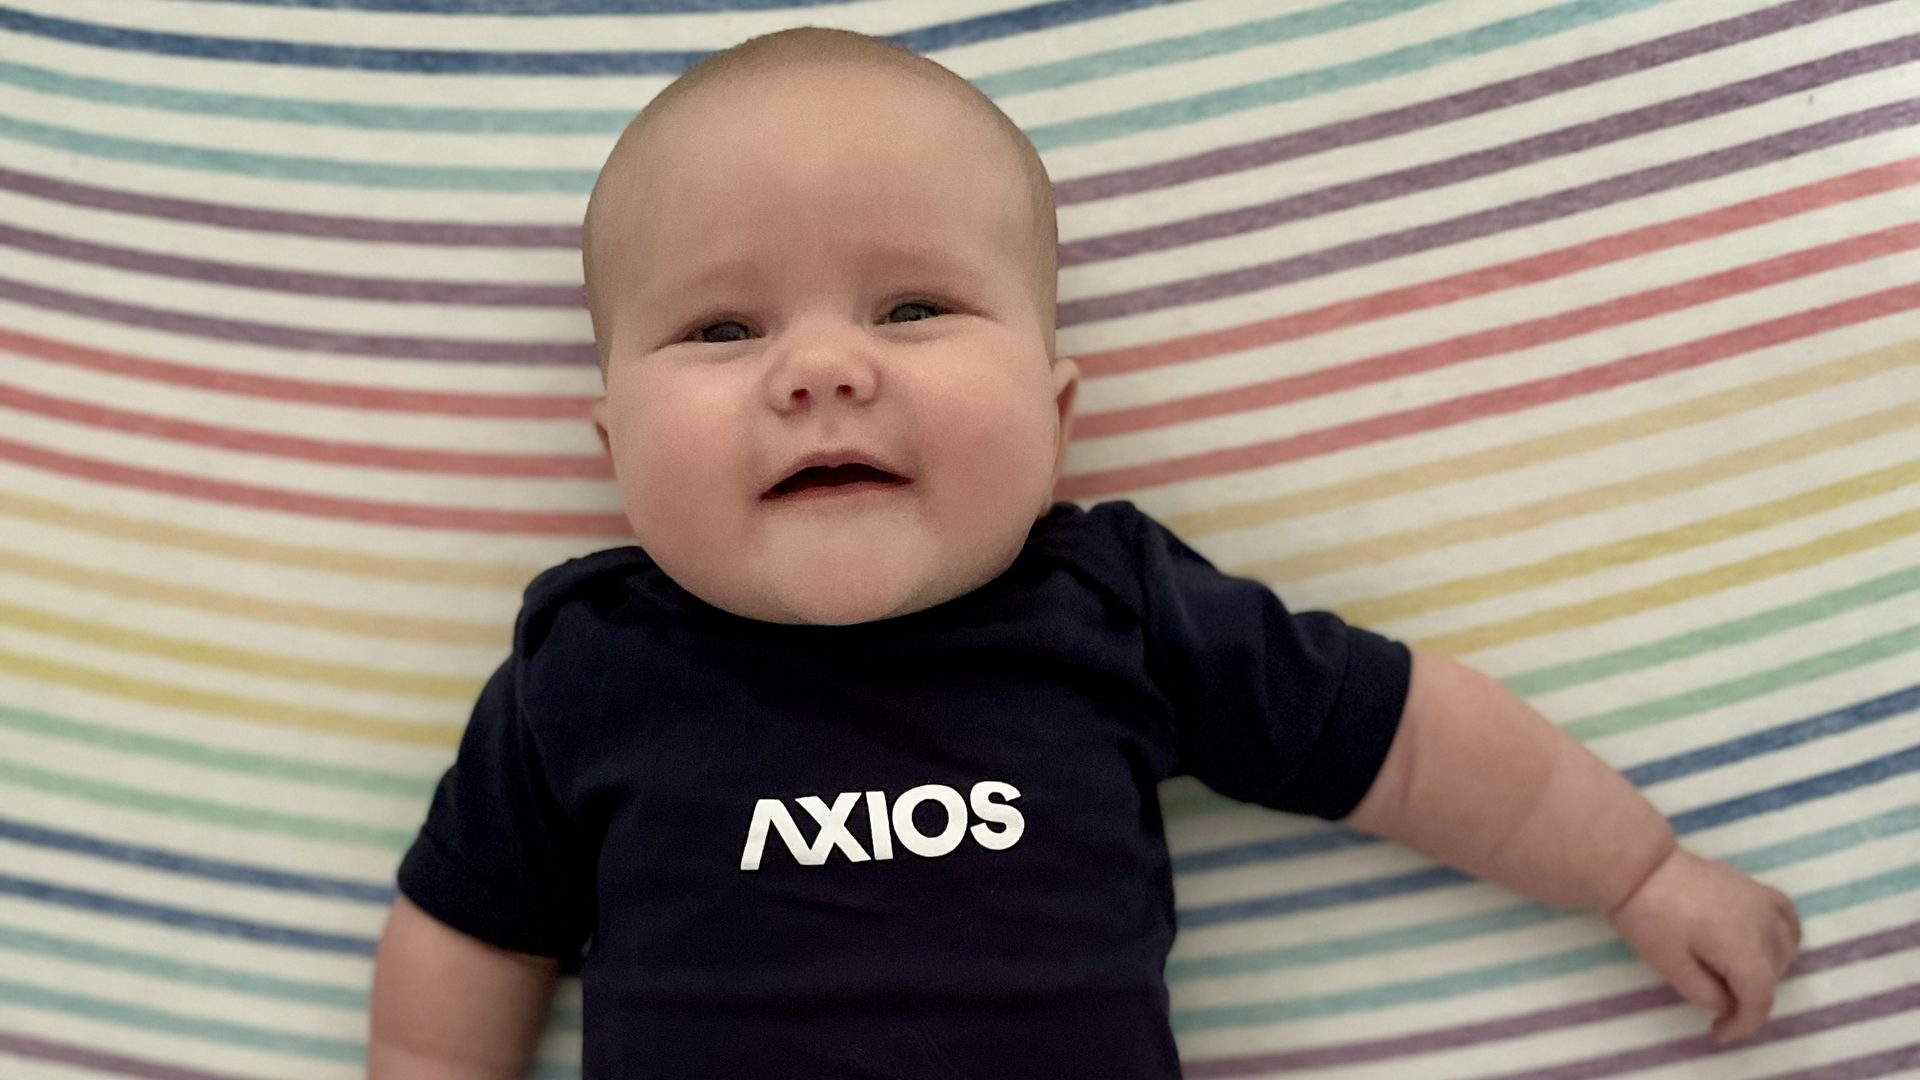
(1722, 635)
(1758, 860)
(1739, 631)
(1201, 46)
(1675, 706)
(328, 113)
(17, 939)
(179, 806)
(1223, 41)
(284, 167)
(1414, 58)
(172, 1023)
(1851, 894)
(1403, 61)
(210, 757)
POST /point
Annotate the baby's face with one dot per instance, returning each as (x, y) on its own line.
(829, 397)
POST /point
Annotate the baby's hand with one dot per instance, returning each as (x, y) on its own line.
(1721, 938)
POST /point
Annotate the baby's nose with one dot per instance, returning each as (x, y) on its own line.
(820, 373)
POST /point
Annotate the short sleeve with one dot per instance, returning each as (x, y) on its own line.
(497, 859)
(1291, 711)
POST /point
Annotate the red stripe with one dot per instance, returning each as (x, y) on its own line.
(311, 505)
(1503, 339)
(383, 399)
(1494, 402)
(1527, 271)
(289, 446)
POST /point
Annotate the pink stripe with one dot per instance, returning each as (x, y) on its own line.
(1460, 410)
(1779, 1029)
(66, 1054)
(1825, 958)
(1498, 278)
(1504, 339)
(311, 505)
(289, 446)
(377, 398)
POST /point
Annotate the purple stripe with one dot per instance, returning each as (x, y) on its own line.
(1779, 1029)
(293, 337)
(260, 277)
(1499, 219)
(40, 1049)
(1827, 957)
(1860, 1068)
(1568, 140)
(450, 233)
(1382, 125)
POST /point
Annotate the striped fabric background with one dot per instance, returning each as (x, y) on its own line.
(1578, 338)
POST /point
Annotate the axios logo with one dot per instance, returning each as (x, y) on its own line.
(883, 827)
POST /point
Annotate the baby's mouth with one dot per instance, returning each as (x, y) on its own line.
(834, 479)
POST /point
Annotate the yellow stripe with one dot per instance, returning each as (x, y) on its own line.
(1675, 590)
(1634, 548)
(273, 713)
(362, 623)
(439, 571)
(1593, 500)
(245, 660)
(1547, 447)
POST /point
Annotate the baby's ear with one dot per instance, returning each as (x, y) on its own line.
(597, 412)
(1066, 386)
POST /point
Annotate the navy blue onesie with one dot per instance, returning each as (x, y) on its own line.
(928, 846)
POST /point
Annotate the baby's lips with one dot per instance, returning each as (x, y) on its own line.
(832, 467)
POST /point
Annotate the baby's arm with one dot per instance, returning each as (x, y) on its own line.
(1476, 779)
(451, 1007)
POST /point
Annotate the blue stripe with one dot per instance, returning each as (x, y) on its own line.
(195, 866)
(573, 122)
(1505, 33)
(182, 919)
(1814, 787)
(1706, 817)
(1648, 774)
(20, 939)
(541, 7)
(948, 35)
(1777, 738)
(578, 181)
(286, 167)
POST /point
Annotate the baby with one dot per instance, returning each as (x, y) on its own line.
(848, 769)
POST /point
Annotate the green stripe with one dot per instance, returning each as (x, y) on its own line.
(1403, 61)
(1201, 46)
(1820, 902)
(563, 122)
(1823, 901)
(1666, 709)
(180, 806)
(18, 939)
(1722, 635)
(1410, 59)
(287, 167)
(172, 1023)
(211, 757)
(1755, 861)
(328, 113)
(1739, 631)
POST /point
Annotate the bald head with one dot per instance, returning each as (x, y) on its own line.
(621, 188)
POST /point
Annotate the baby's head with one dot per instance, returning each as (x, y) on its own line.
(821, 273)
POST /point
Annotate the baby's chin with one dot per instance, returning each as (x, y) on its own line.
(822, 581)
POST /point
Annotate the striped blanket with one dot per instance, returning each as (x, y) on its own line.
(1577, 338)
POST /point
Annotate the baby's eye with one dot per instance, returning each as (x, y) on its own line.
(912, 311)
(719, 332)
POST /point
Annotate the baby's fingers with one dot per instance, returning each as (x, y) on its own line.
(1698, 984)
(1751, 985)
